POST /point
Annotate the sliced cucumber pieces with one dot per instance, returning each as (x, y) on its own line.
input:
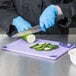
(44, 46)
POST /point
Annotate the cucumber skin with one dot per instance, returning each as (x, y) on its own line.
(25, 37)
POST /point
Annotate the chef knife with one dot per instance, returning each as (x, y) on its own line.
(34, 29)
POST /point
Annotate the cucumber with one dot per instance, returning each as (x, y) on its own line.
(30, 38)
(47, 48)
(44, 47)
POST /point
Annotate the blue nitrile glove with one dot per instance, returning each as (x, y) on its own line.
(47, 18)
(21, 24)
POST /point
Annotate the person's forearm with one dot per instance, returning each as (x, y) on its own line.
(59, 10)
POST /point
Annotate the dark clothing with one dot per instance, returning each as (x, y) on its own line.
(31, 10)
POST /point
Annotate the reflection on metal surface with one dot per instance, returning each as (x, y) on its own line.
(72, 70)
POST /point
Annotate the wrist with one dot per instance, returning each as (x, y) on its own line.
(59, 10)
(55, 10)
(16, 20)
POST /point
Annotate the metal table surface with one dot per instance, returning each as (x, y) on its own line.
(14, 64)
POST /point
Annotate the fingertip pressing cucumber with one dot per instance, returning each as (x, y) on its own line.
(30, 38)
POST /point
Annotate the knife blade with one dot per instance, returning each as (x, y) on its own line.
(34, 29)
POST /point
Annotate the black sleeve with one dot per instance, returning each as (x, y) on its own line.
(7, 13)
(69, 11)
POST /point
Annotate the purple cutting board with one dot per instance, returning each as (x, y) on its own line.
(21, 46)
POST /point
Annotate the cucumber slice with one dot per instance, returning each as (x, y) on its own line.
(33, 46)
(44, 47)
(29, 38)
(47, 49)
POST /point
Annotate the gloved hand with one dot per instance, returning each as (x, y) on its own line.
(21, 24)
(47, 18)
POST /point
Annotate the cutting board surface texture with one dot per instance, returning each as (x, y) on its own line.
(21, 46)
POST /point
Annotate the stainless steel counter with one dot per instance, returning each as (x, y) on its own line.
(14, 64)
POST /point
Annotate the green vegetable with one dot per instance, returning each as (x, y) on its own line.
(44, 47)
(30, 38)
